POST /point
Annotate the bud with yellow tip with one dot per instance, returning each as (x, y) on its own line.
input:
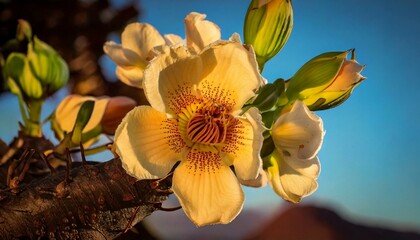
(326, 80)
(268, 24)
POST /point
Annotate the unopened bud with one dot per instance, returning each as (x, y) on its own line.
(48, 67)
(267, 27)
(326, 80)
(115, 111)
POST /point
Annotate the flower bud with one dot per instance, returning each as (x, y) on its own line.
(115, 111)
(17, 69)
(47, 66)
(326, 80)
(267, 27)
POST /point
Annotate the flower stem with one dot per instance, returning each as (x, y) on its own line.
(33, 126)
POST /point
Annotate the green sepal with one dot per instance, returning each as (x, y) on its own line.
(322, 104)
(90, 137)
(14, 66)
(268, 96)
(316, 74)
(83, 117)
(55, 127)
(268, 27)
(268, 147)
(48, 67)
(17, 67)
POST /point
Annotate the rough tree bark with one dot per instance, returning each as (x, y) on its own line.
(97, 202)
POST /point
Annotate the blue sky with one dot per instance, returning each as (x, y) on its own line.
(370, 164)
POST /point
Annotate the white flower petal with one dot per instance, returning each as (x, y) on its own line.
(260, 181)
(170, 77)
(348, 76)
(141, 38)
(298, 133)
(173, 40)
(229, 74)
(123, 57)
(243, 145)
(293, 178)
(67, 110)
(208, 191)
(200, 33)
(148, 143)
(132, 76)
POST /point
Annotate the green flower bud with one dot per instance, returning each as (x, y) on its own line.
(17, 69)
(48, 67)
(267, 27)
(326, 80)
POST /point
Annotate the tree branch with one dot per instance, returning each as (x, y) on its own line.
(100, 202)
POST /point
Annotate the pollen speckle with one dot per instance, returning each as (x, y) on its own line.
(203, 162)
(172, 135)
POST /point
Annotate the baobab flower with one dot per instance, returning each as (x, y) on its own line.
(294, 165)
(139, 39)
(195, 118)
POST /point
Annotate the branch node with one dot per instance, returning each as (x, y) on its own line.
(44, 158)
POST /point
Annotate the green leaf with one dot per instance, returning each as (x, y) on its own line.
(268, 96)
(268, 147)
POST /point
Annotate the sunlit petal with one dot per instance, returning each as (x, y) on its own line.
(67, 110)
(141, 38)
(298, 133)
(293, 178)
(123, 57)
(148, 143)
(260, 181)
(200, 33)
(243, 145)
(173, 40)
(208, 191)
(132, 76)
(170, 78)
(348, 76)
(229, 74)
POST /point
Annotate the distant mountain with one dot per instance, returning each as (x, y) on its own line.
(288, 222)
(175, 225)
(302, 222)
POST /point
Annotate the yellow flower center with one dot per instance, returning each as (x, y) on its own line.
(209, 125)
